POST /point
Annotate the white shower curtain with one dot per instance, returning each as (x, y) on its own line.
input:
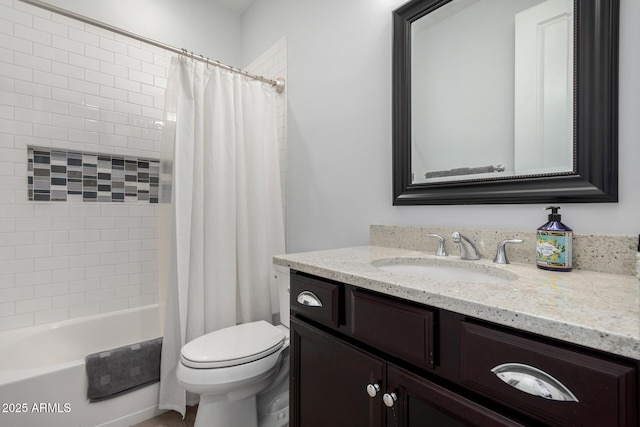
(224, 221)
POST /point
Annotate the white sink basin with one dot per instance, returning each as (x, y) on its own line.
(458, 271)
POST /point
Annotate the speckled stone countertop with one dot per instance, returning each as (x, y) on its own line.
(592, 309)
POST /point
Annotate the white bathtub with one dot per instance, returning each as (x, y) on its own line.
(42, 374)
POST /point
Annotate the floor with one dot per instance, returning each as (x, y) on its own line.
(171, 419)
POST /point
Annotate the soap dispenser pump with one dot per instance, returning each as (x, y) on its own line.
(554, 244)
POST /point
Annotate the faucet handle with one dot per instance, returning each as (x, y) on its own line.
(440, 251)
(501, 253)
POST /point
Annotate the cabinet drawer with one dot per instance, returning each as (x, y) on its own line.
(315, 299)
(396, 327)
(500, 365)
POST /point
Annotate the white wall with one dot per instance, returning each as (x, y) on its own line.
(339, 128)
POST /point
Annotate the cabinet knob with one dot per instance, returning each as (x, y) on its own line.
(389, 399)
(373, 389)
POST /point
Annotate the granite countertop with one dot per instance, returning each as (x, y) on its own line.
(592, 309)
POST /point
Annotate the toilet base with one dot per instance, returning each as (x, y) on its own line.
(212, 411)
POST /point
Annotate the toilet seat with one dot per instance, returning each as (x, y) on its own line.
(233, 346)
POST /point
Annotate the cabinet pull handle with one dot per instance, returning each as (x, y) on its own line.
(373, 389)
(389, 399)
(533, 381)
(309, 298)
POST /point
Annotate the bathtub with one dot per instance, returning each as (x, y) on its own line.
(42, 374)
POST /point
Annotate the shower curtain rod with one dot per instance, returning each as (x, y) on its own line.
(278, 83)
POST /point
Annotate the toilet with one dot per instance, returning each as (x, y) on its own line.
(242, 372)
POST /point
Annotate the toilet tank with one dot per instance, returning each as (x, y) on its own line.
(282, 281)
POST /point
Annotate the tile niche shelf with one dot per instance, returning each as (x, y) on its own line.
(70, 176)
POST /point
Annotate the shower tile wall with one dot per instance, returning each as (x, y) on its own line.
(74, 87)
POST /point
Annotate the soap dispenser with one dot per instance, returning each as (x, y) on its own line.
(554, 244)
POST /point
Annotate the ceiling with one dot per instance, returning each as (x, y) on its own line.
(238, 6)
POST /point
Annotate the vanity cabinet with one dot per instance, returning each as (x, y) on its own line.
(361, 358)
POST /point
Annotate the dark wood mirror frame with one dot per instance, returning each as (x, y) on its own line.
(595, 176)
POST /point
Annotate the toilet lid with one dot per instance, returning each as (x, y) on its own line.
(233, 346)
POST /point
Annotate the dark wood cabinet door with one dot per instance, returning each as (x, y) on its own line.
(421, 403)
(329, 382)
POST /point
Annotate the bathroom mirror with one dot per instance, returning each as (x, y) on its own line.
(505, 101)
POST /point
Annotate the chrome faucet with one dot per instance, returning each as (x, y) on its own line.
(440, 251)
(467, 250)
(501, 254)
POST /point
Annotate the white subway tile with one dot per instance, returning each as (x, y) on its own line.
(47, 237)
(100, 247)
(114, 210)
(16, 294)
(17, 99)
(84, 86)
(85, 285)
(98, 31)
(138, 76)
(51, 263)
(33, 89)
(84, 210)
(31, 305)
(32, 224)
(99, 295)
(114, 117)
(98, 53)
(7, 252)
(32, 278)
(6, 27)
(113, 45)
(32, 61)
(50, 316)
(32, 251)
(13, 155)
(126, 130)
(137, 98)
(159, 82)
(154, 113)
(84, 62)
(113, 93)
(7, 309)
(6, 169)
(44, 104)
(7, 225)
(17, 16)
(83, 310)
(84, 37)
(69, 96)
(140, 256)
(141, 300)
(51, 289)
(6, 55)
(68, 274)
(67, 45)
(67, 21)
(84, 236)
(51, 210)
(15, 322)
(61, 249)
(128, 268)
(33, 116)
(128, 85)
(50, 79)
(114, 258)
(53, 132)
(15, 43)
(149, 287)
(113, 140)
(31, 34)
(32, 10)
(7, 84)
(68, 223)
(98, 126)
(114, 69)
(114, 305)
(84, 260)
(128, 245)
(128, 108)
(128, 222)
(99, 102)
(127, 291)
(67, 300)
(49, 26)
(16, 211)
(84, 136)
(98, 77)
(85, 112)
(68, 121)
(7, 280)
(15, 71)
(100, 223)
(115, 234)
(50, 52)
(128, 62)
(67, 70)
(99, 271)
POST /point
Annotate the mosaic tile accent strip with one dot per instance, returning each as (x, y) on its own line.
(68, 176)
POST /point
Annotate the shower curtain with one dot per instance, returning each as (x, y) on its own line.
(224, 221)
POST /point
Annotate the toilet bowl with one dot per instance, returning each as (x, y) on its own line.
(229, 367)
